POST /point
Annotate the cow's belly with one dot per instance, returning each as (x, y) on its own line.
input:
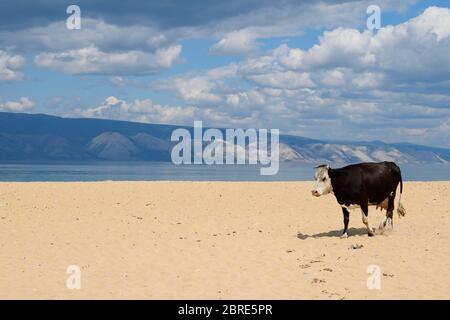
(351, 207)
(357, 206)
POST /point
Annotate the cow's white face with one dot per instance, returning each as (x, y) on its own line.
(323, 182)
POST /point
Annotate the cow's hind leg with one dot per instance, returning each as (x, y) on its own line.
(388, 219)
(390, 211)
(346, 220)
(365, 218)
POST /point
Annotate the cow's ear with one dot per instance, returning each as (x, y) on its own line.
(322, 166)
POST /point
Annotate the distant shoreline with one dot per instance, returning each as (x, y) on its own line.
(163, 171)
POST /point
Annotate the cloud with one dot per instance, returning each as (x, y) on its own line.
(402, 55)
(10, 66)
(244, 99)
(148, 26)
(144, 38)
(347, 85)
(416, 50)
(90, 60)
(147, 111)
(24, 104)
(283, 80)
(139, 110)
(118, 81)
(55, 37)
(164, 15)
(196, 89)
(98, 48)
(236, 43)
(199, 89)
(239, 34)
(183, 14)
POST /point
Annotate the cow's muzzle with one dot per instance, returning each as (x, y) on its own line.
(315, 193)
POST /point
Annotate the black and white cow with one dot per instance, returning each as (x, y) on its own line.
(361, 185)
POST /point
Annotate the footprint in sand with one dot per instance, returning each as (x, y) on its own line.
(317, 280)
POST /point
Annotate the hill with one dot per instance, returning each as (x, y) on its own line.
(39, 137)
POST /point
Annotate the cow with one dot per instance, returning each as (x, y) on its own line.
(360, 186)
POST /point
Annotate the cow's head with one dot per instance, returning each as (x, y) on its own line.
(323, 181)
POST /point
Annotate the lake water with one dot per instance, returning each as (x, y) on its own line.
(151, 171)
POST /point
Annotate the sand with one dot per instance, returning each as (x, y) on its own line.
(216, 240)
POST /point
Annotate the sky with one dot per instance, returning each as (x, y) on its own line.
(308, 68)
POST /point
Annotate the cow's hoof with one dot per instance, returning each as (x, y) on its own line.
(371, 232)
(386, 224)
(389, 223)
(344, 235)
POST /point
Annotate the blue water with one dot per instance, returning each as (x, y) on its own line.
(151, 171)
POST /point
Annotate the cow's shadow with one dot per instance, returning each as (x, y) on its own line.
(333, 234)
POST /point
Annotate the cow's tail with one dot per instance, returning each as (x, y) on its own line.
(400, 209)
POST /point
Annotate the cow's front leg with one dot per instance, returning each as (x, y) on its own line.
(365, 219)
(346, 220)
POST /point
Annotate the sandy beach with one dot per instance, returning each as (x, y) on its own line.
(216, 240)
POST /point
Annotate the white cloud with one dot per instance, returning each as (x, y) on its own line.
(237, 99)
(222, 72)
(97, 48)
(195, 89)
(245, 99)
(340, 47)
(90, 60)
(24, 104)
(348, 85)
(10, 66)
(236, 43)
(240, 33)
(283, 80)
(289, 58)
(199, 89)
(358, 111)
(367, 80)
(139, 110)
(416, 50)
(118, 81)
(434, 20)
(55, 37)
(236, 33)
(147, 111)
(335, 77)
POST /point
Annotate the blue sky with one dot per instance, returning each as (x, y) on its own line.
(307, 68)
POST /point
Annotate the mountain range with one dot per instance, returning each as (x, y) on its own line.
(39, 137)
